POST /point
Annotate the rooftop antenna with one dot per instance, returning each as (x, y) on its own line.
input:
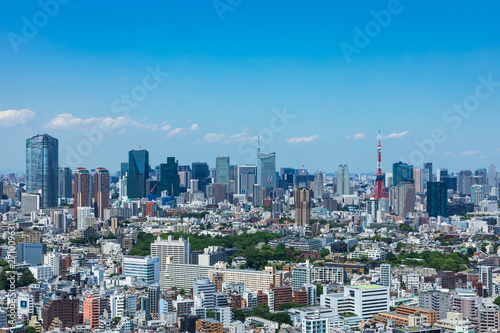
(258, 144)
(303, 170)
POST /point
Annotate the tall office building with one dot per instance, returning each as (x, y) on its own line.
(401, 172)
(143, 268)
(245, 179)
(481, 176)
(424, 179)
(169, 177)
(318, 185)
(205, 290)
(492, 176)
(437, 199)
(343, 181)
(428, 166)
(1, 189)
(266, 171)
(200, 172)
(137, 173)
(405, 198)
(101, 191)
(82, 196)
(486, 277)
(222, 170)
(465, 182)
(123, 169)
(42, 168)
(302, 200)
(417, 180)
(154, 298)
(31, 253)
(65, 185)
(441, 173)
(385, 275)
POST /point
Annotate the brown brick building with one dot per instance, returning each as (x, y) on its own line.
(65, 308)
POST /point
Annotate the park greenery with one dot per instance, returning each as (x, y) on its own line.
(25, 279)
(262, 311)
(245, 243)
(455, 261)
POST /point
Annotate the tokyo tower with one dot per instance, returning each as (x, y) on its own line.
(379, 191)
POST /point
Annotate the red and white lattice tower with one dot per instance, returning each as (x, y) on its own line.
(379, 191)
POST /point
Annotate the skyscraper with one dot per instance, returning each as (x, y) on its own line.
(401, 172)
(492, 176)
(266, 171)
(318, 185)
(405, 198)
(441, 173)
(138, 173)
(437, 199)
(101, 191)
(302, 200)
(465, 182)
(65, 183)
(245, 179)
(222, 170)
(169, 177)
(428, 166)
(123, 169)
(343, 181)
(82, 190)
(154, 298)
(42, 168)
(200, 171)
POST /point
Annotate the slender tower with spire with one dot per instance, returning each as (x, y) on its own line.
(379, 191)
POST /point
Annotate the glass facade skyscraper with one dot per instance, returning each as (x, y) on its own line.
(401, 172)
(201, 172)
(222, 170)
(437, 199)
(138, 173)
(169, 178)
(42, 168)
(266, 171)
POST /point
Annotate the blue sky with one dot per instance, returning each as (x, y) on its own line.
(233, 66)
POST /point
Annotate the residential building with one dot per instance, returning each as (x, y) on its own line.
(144, 268)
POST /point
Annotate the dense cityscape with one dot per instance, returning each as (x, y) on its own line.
(247, 248)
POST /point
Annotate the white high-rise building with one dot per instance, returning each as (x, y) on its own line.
(54, 259)
(385, 275)
(117, 305)
(492, 176)
(205, 290)
(42, 273)
(83, 213)
(343, 181)
(245, 179)
(179, 250)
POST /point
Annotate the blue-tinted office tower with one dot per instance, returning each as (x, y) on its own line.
(169, 178)
(200, 171)
(428, 166)
(31, 253)
(401, 172)
(123, 169)
(437, 199)
(42, 168)
(138, 173)
(222, 170)
(266, 171)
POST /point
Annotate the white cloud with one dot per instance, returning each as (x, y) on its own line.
(166, 128)
(10, 118)
(214, 137)
(174, 132)
(66, 121)
(396, 135)
(303, 139)
(496, 152)
(470, 152)
(448, 153)
(356, 136)
(194, 127)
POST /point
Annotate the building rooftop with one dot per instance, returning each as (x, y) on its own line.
(368, 286)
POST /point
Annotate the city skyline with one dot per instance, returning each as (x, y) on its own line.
(204, 84)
